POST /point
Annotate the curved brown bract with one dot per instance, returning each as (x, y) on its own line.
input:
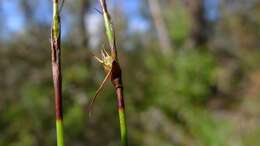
(116, 72)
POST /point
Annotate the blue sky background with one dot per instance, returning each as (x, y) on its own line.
(13, 16)
(15, 21)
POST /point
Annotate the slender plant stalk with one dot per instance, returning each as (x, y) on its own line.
(116, 77)
(56, 71)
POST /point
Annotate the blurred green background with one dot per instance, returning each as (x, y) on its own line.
(191, 71)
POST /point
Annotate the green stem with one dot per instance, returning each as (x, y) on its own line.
(122, 116)
(109, 29)
(56, 20)
(59, 126)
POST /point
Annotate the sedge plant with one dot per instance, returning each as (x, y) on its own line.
(112, 68)
(56, 69)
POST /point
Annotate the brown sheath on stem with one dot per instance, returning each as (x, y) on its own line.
(116, 79)
(56, 73)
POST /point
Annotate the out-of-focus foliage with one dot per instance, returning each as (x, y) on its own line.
(195, 95)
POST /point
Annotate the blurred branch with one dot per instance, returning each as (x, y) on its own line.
(84, 5)
(160, 26)
(28, 11)
(199, 24)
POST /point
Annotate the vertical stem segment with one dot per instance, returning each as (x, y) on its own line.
(116, 76)
(116, 79)
(122, 116)
(56, 71)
